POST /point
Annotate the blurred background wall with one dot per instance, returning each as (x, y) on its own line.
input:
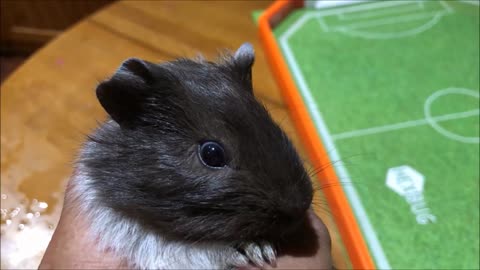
(26, 25)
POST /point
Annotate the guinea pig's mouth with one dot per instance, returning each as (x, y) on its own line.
(281, 227)
(291, 226)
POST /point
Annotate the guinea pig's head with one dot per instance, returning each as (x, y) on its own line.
(190, 153)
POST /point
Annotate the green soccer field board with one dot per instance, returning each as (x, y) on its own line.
(393, 90)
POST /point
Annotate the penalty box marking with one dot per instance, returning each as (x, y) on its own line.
(401, 9)
(383, 9)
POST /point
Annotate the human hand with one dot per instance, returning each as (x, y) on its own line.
(308, 249)
(72, 248)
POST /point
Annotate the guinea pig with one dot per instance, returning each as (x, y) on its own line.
(189, 170)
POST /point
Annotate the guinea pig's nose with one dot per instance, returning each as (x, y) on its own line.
(300, 205)
(294, 212)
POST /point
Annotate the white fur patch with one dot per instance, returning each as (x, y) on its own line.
(146, 250)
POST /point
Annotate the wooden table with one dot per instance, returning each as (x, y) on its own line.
(49, 104)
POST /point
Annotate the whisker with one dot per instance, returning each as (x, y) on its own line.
(322, 207)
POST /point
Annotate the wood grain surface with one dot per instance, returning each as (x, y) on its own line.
(48, 104)
(28, 24)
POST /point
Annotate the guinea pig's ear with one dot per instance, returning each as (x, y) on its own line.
(243, 61)
(124, 93)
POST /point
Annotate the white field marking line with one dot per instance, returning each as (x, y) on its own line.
(294, 28)
(351, 32)
(334, 3)
(377, 13)
(446, 6)
(402, 125)
(393, 20)
(434, 124)
(341, 15)
(365, 6)
(322, 24)
(355, 202)
(473, 2)
(411, 32)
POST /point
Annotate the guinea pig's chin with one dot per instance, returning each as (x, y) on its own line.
(274, 232)
(286, 228)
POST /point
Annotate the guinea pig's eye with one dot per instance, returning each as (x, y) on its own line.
(212, 154)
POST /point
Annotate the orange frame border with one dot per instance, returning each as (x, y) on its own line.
(342, 213)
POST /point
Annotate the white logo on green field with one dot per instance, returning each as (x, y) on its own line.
(409, 183)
